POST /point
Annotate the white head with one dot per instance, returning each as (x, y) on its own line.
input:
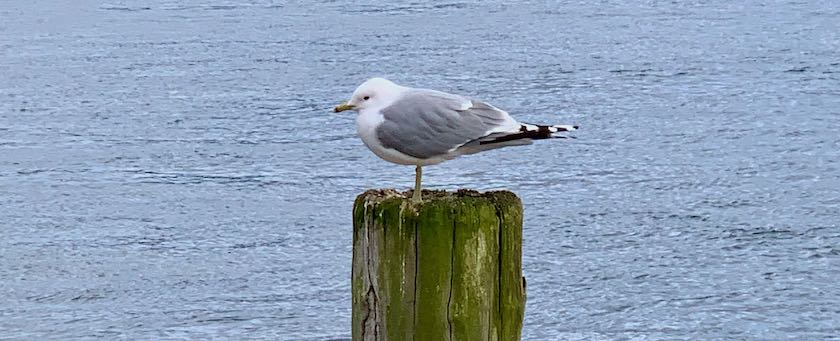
(373, 93)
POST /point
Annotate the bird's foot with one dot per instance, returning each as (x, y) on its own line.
(416, 197)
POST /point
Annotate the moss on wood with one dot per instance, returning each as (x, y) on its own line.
(448, 268)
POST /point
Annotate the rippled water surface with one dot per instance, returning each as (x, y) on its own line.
(172, 169)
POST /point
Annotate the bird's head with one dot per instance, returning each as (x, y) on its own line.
(373, 93)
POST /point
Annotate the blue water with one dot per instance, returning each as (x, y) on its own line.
(172, 170)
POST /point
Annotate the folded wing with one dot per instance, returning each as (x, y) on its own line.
(427, 123)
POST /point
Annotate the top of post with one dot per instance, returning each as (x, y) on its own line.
(374, 196)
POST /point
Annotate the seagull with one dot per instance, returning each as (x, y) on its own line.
(422, 127)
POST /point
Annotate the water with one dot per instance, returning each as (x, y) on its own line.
(171, 170)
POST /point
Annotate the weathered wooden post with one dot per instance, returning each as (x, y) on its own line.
(449, 268)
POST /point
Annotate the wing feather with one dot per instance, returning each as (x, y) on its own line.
(428, 123)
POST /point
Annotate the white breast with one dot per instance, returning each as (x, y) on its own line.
(366, 123)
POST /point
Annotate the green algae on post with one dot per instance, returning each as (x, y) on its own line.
(447, 268)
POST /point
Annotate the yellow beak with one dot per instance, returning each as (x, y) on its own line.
(344, 106)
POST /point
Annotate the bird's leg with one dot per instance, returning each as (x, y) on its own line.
(418, 173)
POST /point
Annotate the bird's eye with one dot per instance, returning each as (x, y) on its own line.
(366, 98)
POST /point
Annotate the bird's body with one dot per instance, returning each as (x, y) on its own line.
(366, 123)
(424, 127)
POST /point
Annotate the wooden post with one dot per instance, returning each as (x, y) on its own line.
(449, 268)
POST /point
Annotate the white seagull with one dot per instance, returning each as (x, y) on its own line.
(422, 127)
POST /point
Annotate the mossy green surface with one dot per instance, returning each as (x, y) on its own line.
(448, 268)
(434, 271)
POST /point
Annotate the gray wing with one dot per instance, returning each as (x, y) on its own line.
(426, 123)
